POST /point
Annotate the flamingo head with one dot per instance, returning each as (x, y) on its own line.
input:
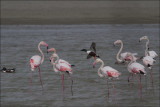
(117, 42)
(96, 61)
(44, 44)
(143, 38)
(51, 50)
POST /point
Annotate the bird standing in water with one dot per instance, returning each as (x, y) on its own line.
(37, 60)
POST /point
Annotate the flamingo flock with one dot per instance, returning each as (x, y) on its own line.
(61, 66)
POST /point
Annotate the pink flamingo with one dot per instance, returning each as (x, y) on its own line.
(136, 68)
(37, 60)
(107, 72)
(124, 56)
(61, 66)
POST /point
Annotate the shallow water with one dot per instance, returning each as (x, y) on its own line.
(19, 43)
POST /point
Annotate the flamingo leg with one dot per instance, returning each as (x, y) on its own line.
(146, 81)
(128, 77)
(140, 77)
(63, 84)
(140, 86)
(31, 82)
(114, 91)
(108, 88)
(40, 77)
(71, 84)
(151, 77)
(132, 78)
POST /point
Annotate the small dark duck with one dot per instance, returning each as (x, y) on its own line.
(92, 51)
(8, 70)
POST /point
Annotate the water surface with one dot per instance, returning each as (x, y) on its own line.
(19, 43)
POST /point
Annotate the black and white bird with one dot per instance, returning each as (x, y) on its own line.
(92, 51)
(8, 70)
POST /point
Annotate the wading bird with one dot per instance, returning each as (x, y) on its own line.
(107, 72)
(136, 68)
(37, 60)
(62, 66)
(124, 56)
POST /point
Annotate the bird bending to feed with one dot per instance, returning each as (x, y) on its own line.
(149, 58)
(37, 60)
(62, 66)
(4, 69)
(107, 72)
(124, 56)
(152, 53)
(136, 68)
(92, 51)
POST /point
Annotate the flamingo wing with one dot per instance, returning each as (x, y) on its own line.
(137, 68)
(148, 60)
(110, 72)
(153, 54)
(35, 61)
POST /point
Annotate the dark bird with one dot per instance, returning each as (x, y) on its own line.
(92, 51)
(8, 70)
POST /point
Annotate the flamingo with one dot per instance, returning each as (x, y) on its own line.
(136, 68)
(107, 72)
(152, 53)
(149, 58)
(37, 60)
(61, 66)
(92, 51)
(124, 56)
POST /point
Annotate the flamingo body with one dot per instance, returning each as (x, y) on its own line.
(148, 61)
(35, 61)
(136, 68)
(63, 66)
(153, 54)
(108, 71)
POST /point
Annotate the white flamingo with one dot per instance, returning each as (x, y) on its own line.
(124, 56)
(136, 68)
(107, 72)
(61, 66)
(37, 60)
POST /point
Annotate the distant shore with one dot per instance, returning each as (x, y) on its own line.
(79, 12)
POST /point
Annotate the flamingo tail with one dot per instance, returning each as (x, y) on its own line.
(40, 78)
(114, 92)
(140, 86)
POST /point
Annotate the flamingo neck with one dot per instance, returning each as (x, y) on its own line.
(118, 54)
(54, 65)
(147, 47)
(99, 70)
(41, 52)
(57, 59)
(131, 61)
